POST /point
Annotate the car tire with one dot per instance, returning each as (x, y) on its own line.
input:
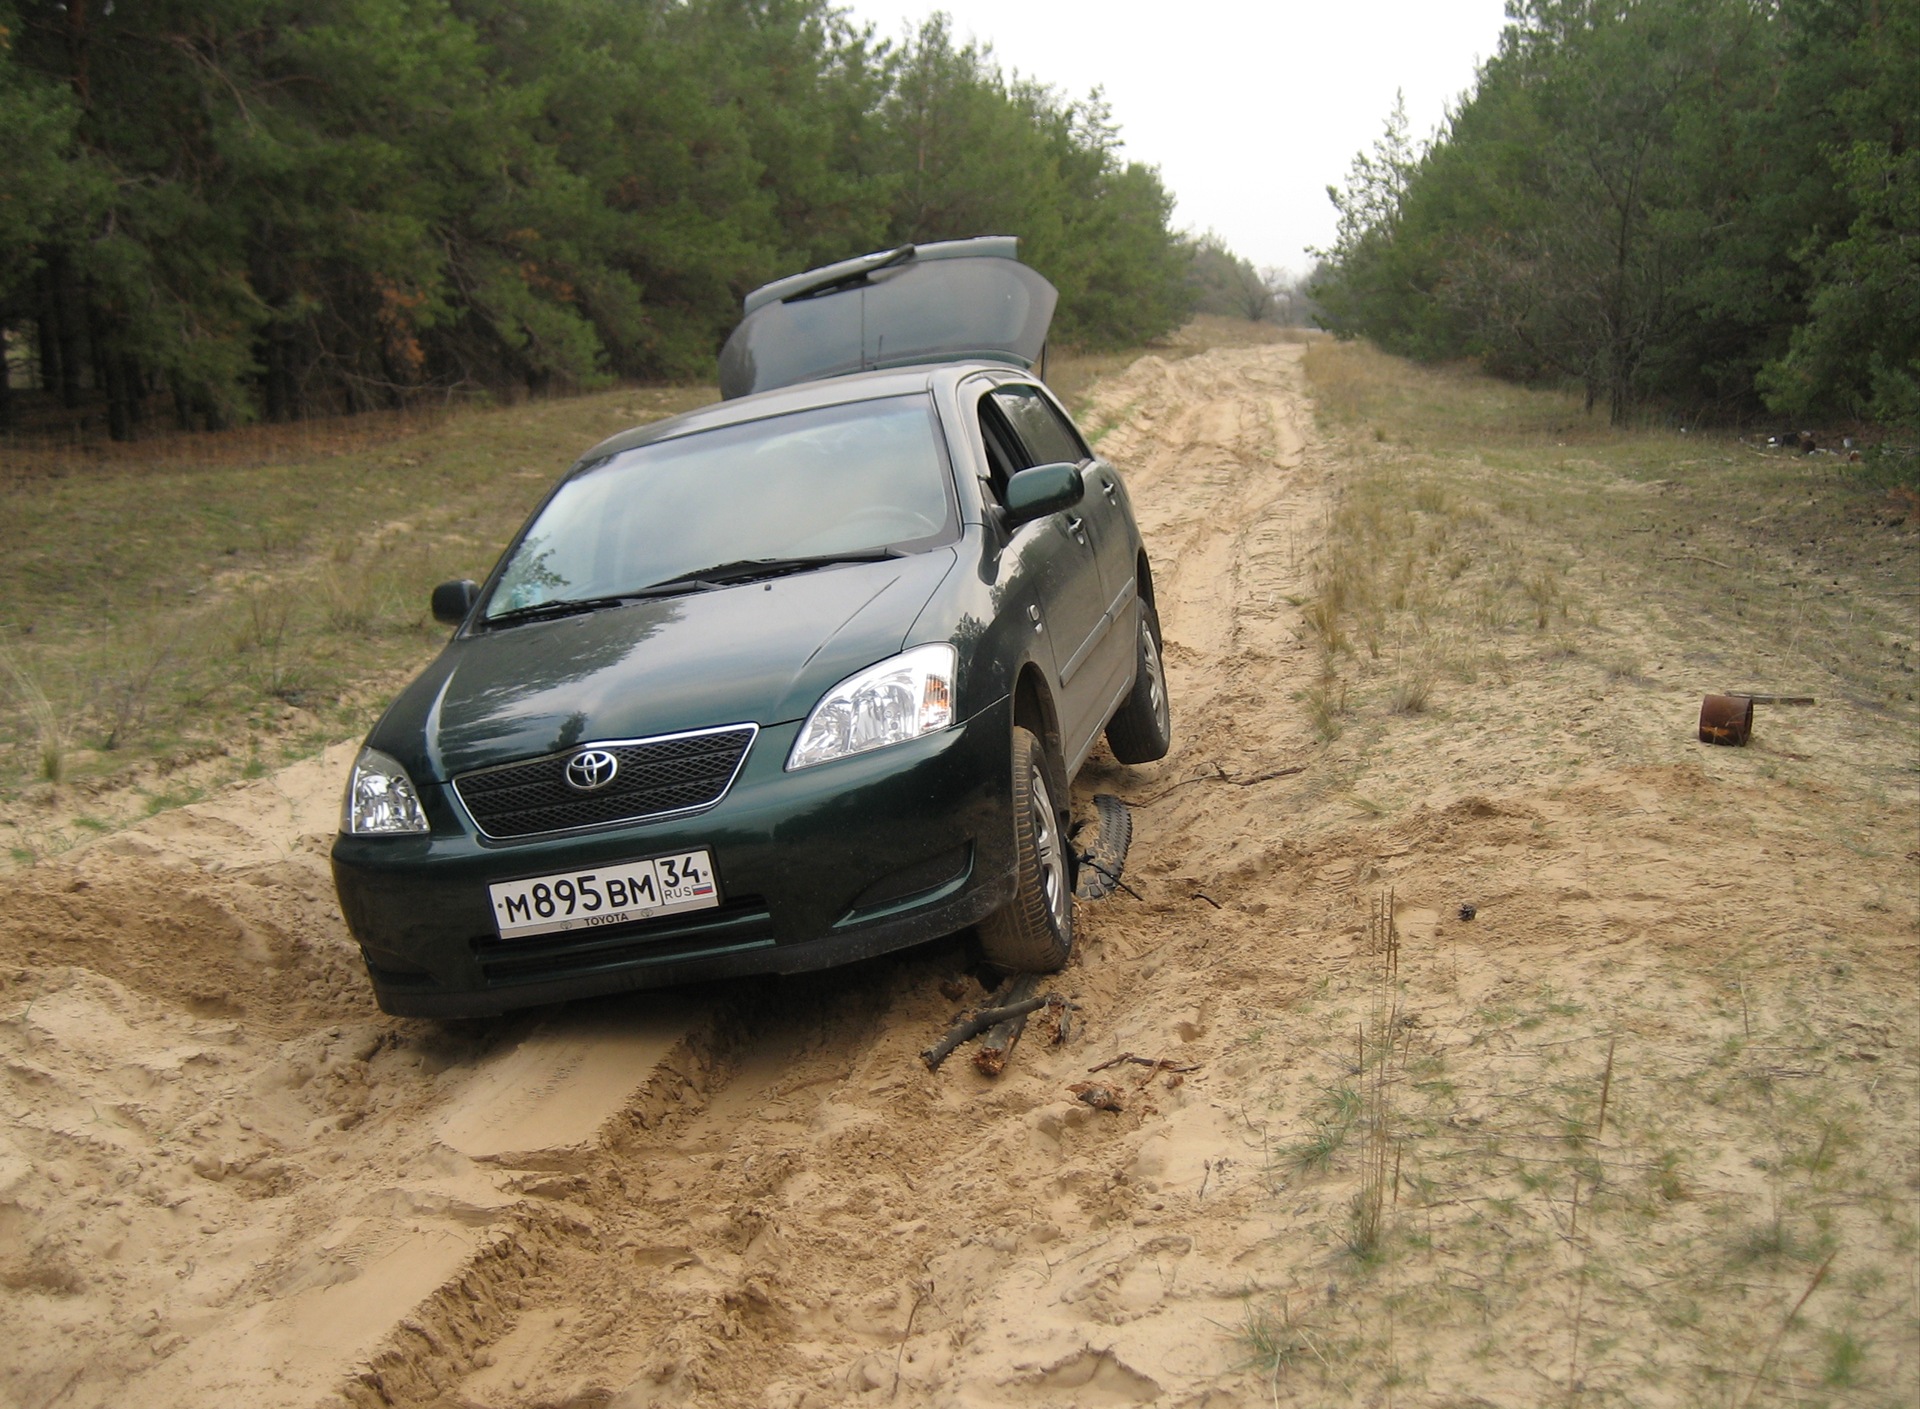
(1033, 932)
(1141, 730)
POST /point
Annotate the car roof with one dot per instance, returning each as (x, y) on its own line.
(830, 391)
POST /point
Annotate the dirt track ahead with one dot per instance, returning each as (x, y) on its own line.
(228, 1180)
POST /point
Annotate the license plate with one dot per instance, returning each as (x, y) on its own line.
(607, 895)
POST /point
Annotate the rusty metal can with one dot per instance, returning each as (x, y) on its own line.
(1726, 719)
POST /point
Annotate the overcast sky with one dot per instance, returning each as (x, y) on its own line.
(1250, 110)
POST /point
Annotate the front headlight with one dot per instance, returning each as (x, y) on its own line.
(380, 800)
(888, 703)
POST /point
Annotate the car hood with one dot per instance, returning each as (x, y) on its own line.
(761, 652)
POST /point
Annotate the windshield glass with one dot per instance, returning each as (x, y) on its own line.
(838, 480)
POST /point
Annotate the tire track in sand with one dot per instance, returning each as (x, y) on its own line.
(1215, 449)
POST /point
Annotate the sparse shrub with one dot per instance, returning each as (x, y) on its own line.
(1275, 1341)
(49, 734)
(348, 600)
(1541, 591)
(1845, 1355)
(1323, 616)
(1330, 1130)
(1326, 702)
(1410, 692)
(140, 659)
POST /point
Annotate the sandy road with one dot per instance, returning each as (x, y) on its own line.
(229, 1180)
(234, 1180)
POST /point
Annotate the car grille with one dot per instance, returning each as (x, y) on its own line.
(744, 923)
(673, 773)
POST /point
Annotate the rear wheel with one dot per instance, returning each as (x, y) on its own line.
(1141, 730)
(1033, 932)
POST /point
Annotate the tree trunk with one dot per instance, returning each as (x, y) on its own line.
(78, 37)
(119, 421)
(278, 390)
(1619, 386)
(110, 375)
(68, 309)
(135, 378)
(6, 383)
(47, 324)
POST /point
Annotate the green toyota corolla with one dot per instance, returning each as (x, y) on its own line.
(783, 683)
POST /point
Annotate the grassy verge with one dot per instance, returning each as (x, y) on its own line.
(1602, 1213)
(239, 598)
(1642, 1131)
(1491, 523)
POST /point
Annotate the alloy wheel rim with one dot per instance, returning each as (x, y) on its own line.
(1046, 843)
(1156, 680)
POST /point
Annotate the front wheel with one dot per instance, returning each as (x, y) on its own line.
(1141, 730)
(1033, 932)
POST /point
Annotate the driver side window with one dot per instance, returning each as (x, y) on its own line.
(1005, 455)
(1048, 438)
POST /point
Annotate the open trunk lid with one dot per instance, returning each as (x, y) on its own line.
(953, 301)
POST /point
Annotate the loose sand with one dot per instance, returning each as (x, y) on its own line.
(228, 1180)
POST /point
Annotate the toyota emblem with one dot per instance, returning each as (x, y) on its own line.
(591, 771)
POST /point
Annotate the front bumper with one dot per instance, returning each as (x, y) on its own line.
(819, 867)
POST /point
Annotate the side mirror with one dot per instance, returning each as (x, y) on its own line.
(453, 600)
(1042, 490)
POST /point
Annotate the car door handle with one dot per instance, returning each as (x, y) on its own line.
(1075, 525)
(1110, 489)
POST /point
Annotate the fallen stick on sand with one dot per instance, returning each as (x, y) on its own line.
(1219, 775)
(994, 1049)
(1157, 1063)
(1017, 1003)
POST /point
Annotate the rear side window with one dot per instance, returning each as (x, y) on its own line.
(1048, 436)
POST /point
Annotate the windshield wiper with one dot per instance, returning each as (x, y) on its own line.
(569, 606)
(752, 569)
(704, 580)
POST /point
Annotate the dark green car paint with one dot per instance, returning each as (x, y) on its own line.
(816, 866)
(761, 652)
(800, 848)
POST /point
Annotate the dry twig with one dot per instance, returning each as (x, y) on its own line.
(1020, 1000)
(1219, 775)
(1158, 1064)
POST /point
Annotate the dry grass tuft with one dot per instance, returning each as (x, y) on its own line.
(1410, 692)
(43, 718)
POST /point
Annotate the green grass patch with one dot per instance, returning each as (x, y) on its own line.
(199, 592)
(1479, 508)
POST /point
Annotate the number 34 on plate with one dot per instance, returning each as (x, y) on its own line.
(607, 895)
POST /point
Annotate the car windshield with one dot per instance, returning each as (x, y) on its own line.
(848, 480)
